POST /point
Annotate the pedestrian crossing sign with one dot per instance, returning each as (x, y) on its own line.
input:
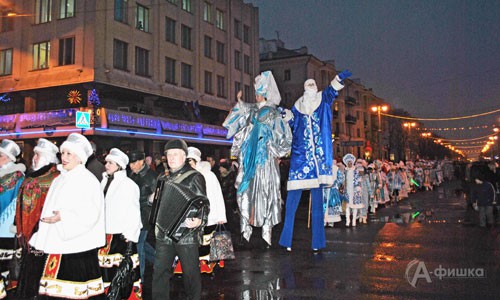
(82, 119)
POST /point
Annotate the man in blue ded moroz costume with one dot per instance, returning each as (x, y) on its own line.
(260, 136)
(312, 156)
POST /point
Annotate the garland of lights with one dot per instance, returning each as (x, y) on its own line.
(463, 140)
(442, 119)
(455, 128)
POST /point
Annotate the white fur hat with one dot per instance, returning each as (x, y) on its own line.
(79, 145)
(10, 148)
(47, 149)
(194, 153)
(117, 156)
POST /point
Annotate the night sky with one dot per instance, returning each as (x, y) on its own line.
(430, 58)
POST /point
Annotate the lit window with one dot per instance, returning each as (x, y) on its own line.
(207, 12)
(219, 19)
(67, 9)
(43, 11)
(41, 55)
(142, 18)
(186, 5)
(6, 62)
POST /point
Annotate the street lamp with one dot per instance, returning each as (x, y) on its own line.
(409, 125)
(379, 109)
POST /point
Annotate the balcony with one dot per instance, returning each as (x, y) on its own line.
(350, 119)
(350, 100)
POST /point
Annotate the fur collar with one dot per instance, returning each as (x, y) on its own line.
(40, 171)
(11, 168)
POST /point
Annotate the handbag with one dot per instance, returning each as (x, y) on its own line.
(16, 262)
(123, 281)
(221, 245)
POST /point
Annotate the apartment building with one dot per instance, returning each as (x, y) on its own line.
(165, 68)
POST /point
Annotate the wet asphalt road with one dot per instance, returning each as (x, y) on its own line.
(427, 247)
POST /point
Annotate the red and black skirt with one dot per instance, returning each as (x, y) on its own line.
(72, 276)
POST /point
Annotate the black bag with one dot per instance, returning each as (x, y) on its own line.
(16, 262)
(123, 282)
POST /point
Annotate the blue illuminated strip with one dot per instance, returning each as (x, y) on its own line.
(169, 136)
(130, 132)
(39, 132)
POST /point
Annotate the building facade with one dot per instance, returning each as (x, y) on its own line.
(153, 62)
(354, 126)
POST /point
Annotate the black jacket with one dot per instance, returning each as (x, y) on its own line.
(146, 180)
(196, 183)
(483, 193)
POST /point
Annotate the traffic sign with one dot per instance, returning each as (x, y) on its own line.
(82, 119)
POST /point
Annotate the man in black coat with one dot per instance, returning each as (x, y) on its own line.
(145, 178)
(186, 248)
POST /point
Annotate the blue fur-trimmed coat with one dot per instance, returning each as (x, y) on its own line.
(312, 154)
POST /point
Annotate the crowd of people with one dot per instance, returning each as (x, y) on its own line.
(80, 224)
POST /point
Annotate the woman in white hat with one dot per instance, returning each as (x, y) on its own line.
(123, 219)
(217, 214)
(31, 199)
(11, 177)
(352, 190)
(71, 228)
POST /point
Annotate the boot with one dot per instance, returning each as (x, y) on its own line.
(347, 221)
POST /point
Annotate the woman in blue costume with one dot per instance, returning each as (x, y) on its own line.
(11, 177)
(260, 136)
(332, 201)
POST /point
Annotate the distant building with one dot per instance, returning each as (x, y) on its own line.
(354, 124)
(161, 67)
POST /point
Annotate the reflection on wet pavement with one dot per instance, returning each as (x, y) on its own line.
(368, 261)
